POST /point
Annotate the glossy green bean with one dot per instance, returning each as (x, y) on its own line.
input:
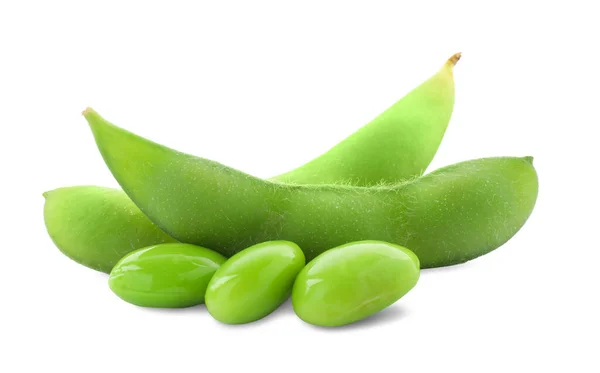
(254, 282)
(171, 275)
(353, 281)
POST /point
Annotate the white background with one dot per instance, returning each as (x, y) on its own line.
(264, 87)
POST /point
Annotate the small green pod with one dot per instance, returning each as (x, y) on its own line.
(173, 275)
(254, 282)
(353, 281)
(97, 226)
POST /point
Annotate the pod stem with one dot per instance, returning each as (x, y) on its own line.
(88, 111)
(454, 59)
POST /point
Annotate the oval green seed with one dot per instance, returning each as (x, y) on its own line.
(97, 226)
(449, 216)
(166, 276)
(254, 282)
(353, 281)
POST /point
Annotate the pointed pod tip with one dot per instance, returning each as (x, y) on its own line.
(88, 110)
(454, 59)
(528, 159)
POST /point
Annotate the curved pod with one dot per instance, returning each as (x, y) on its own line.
(399, 144)
(97, 226)
(449, 216)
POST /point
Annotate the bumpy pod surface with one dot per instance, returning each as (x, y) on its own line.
(97, 226)
(449, 216)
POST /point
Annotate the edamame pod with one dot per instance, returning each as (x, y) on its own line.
(254, 282)
(171, 275)
(399, 144)
(353, 281)
(449, 216)
(97, 226)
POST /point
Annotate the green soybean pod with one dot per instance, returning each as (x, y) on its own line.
(97, 226)
(172, 275)
(254, 282)
(398, 144)
(353, 281)
(449, 216)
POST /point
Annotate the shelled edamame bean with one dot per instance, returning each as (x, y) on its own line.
(353, 281)
(254, 282)
(171, 275)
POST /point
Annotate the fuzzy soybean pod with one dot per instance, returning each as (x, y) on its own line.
(398, 144)
(97, 226)
(449, 216)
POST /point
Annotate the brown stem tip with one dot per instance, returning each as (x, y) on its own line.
(454, 59)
